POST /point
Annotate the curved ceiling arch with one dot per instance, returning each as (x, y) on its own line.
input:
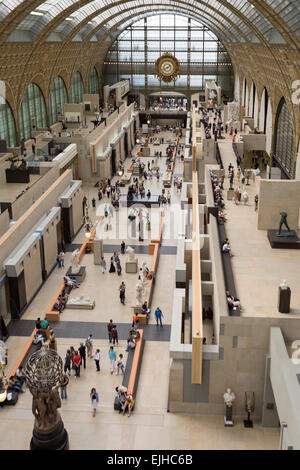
(262, 17)
(208, 21)
(70, 26)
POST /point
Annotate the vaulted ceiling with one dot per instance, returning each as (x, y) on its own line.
(256, 21)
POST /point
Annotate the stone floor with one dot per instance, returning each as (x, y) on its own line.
(150, 426)
(258, 269)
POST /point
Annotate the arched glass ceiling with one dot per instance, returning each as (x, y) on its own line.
(242, 13)
(108, 19)
(37, 20)
(289, 11)
(118, 25)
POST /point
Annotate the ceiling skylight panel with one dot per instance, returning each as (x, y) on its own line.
(7, 6)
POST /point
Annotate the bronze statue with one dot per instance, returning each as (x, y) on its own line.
(44, 369)
(44, 408)
(283, 221)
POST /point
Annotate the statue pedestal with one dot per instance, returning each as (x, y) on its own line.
(284, 300)
(228, 418)
(290, 242)
(54, 439)
(98, 250)
(131, 266)
(146, 151)
(81, 305)
(230, 194)
(17, 176)
(79, 276)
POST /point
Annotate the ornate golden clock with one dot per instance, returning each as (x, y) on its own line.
(167, 67)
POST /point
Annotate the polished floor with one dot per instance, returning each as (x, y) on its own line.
(151, 426)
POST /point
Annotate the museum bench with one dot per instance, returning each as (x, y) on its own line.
(28, 349)
(54, 315)
(227, 270)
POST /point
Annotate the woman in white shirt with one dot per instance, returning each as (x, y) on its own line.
(97, 360)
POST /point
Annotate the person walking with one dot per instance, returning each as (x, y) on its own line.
(103, 265)
(112, 268)
(120, 365)
(256, 202)
(62, 258)
(89, 345)
(112, 357)
(63, 382)
(94, 401)
(58, 259)
(158, 315)
(110, 325)
(77, 362)
(123, 248)
(68, 361)
(97, 360)
(122, 292)
(82, 352)
(119, 268)
(114, 335)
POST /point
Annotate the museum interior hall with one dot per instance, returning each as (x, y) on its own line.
(149, 225)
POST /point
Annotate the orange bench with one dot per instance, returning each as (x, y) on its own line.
(153, 241)
(53, 315)
(22, 355)
(153, 249)
(25, 351)
(136, 363)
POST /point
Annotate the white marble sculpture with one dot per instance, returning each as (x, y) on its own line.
(130, 251)
(80, 301)
(139, 290)
(245, 197)
(229, 397)
(144, 270)
(284, 285)
(74, 262)
(233, 111)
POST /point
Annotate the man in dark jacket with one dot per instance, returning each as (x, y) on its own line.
(82, 352)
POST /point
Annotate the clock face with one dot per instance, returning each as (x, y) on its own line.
(167, 67)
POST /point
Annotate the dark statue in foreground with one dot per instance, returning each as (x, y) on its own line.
(43, 371)
(283, 221)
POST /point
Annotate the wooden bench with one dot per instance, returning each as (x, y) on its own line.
(29, 348)
(158, 240)
(153, 249)
(133, 365)
(26, 352)
(51, 314)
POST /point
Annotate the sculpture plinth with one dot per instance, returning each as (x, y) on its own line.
(55, 439)
(43, 372)
(290, 242)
